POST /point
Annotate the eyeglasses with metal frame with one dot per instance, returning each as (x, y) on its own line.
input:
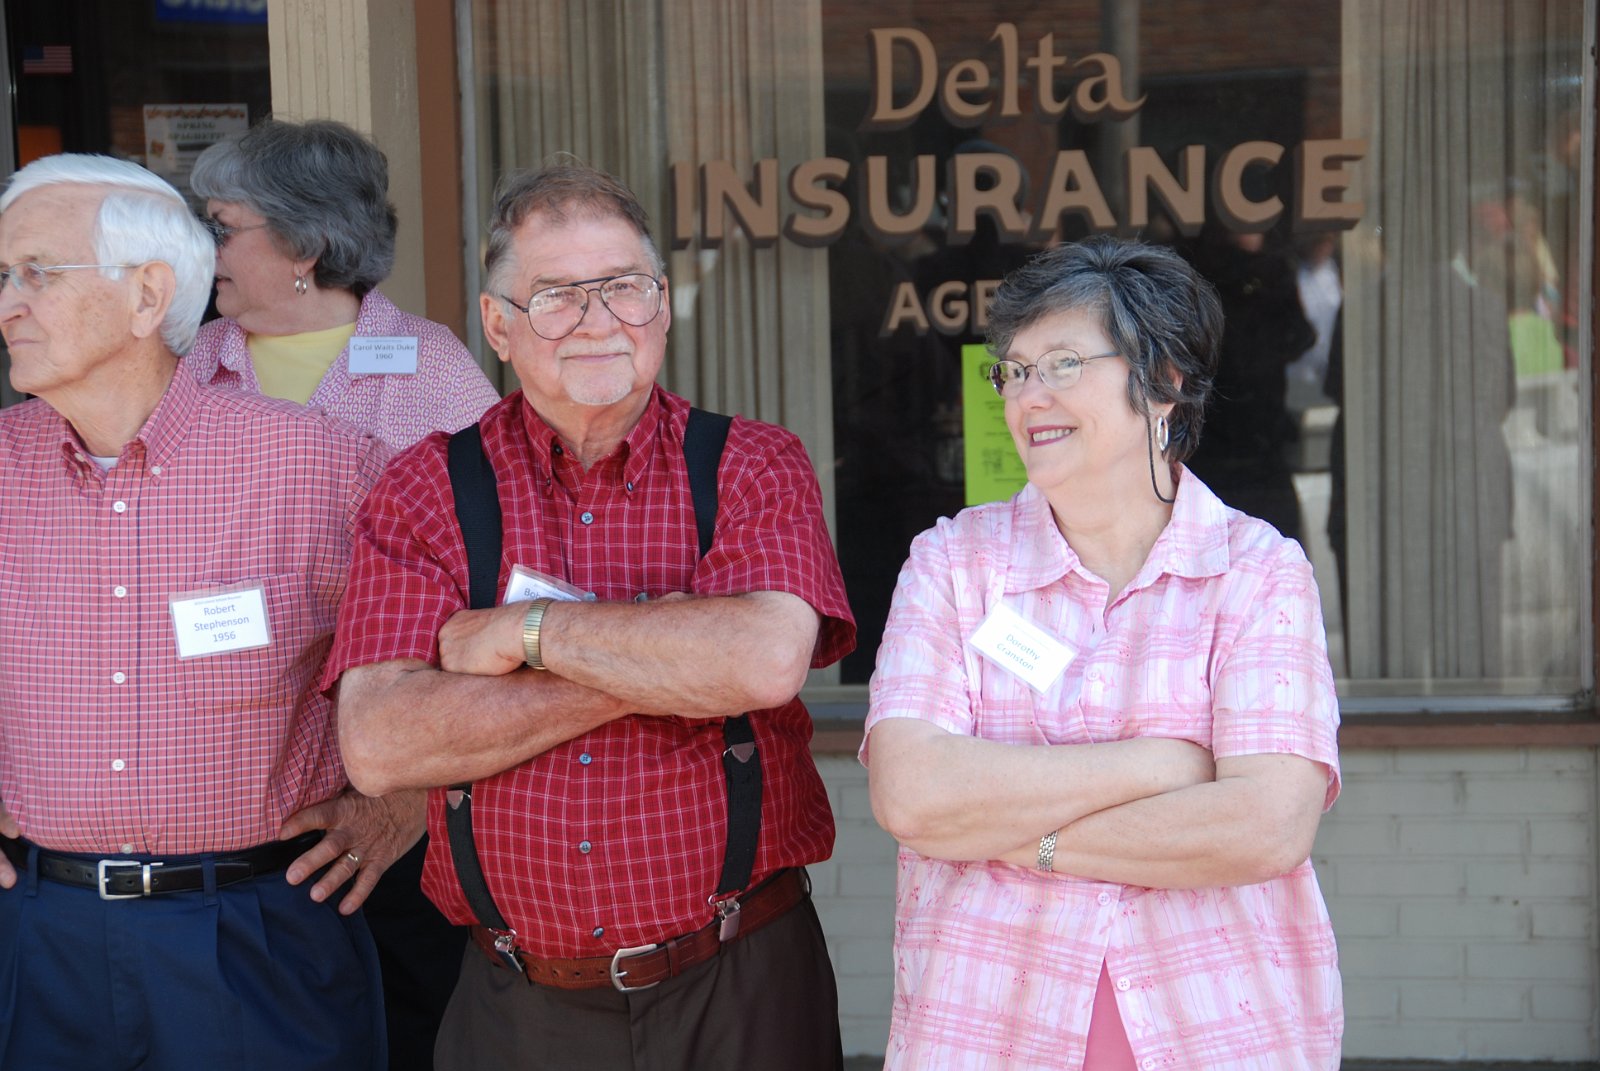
(220, 232)
(556, 311)
(1058, 370)
(31, 278)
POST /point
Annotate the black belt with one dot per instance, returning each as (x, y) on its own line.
(128, 879)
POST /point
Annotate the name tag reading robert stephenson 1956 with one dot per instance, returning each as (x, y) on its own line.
(215, 622)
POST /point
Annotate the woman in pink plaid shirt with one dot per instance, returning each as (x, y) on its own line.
(1103, 724)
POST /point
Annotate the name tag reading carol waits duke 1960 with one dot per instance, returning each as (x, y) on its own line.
(215, 622)
(376, 355)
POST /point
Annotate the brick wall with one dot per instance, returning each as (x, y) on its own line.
(1462, 885)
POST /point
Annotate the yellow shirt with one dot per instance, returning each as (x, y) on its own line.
(291, 366)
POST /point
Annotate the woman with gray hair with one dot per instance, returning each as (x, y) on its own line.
(1102, 724)
(305, 233)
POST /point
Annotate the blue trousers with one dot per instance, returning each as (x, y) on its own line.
(251, 975)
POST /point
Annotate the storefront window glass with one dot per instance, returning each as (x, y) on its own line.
(1390, 197)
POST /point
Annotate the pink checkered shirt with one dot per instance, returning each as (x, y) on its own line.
(1218, 640)
(616, 838)
(447, 392)
(109, 742)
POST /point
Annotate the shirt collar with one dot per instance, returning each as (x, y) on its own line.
(631, 457)
(1193, 544)
(1195, 541)
(161, 434)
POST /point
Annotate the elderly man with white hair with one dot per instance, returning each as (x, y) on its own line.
(171, 563)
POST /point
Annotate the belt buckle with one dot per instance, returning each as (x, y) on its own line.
(618, 975)
(101, 877)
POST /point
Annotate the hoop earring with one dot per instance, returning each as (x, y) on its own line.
(1150, 448)
(300, 285)
(1163, 434)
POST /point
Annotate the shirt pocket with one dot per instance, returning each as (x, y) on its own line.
(272, 676)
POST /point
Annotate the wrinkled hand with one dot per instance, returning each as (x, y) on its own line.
(374, 830)
(9, 828)
(487, 643)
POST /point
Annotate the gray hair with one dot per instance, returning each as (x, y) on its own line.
(323, 190)
(558, 192)
(1163, 318)
(142, 219)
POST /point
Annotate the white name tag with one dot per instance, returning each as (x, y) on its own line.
(216, 623)
(383, 355)
(525, 585)
(1014, 643)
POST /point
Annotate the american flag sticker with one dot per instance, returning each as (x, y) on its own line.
(47, 59)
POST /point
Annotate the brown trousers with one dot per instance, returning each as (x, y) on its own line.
(768, 1003)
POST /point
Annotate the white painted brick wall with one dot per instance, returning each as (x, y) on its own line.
(1492, 871)
(1461, 881)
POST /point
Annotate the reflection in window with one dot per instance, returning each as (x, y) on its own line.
(1466, 512)
(1385, 193)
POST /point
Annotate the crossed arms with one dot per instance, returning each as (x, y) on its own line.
(404, 724)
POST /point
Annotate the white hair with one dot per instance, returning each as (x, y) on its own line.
(142, 219)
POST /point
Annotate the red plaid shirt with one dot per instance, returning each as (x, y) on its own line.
(109, 742)
(615, 838)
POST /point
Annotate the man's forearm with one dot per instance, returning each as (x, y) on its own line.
(706, 657)
(407, 725)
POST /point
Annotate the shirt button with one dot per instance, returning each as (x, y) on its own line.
(1103, 899)
(628, 485)
(80, 457)
(586, 517)
(1150, 1063)
(585, 758)
(118, 765)
(556, 450)
(1123, 984)
(1093, 674)
(155, 470)
(599, 931)
(127, 849)
(584, 847)
(642, 597)
(118, 677)
(120, 592)
(119, 506)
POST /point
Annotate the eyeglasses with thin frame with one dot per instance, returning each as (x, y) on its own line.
(220, 232)
(556, 311)
(31, 278)
(1058, 370)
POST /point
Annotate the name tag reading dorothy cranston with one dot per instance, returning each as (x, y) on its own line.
(383, 355)
(1014, 643)
(217, 622)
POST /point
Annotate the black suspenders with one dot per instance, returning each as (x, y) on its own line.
(477, 501)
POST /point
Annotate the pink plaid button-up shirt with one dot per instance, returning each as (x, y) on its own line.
(1218, 640)
(447, 392)
(109, 742)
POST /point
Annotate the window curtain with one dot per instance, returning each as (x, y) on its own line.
(633, 86)
(1465, 453)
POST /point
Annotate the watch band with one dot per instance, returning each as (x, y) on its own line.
(530, 632)
(1047, 851)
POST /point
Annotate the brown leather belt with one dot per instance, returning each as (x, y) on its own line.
(643, 967)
